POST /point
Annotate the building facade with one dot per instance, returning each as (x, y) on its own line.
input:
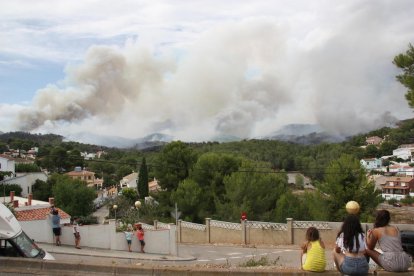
(396, 187)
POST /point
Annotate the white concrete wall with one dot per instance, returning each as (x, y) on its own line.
(38, 230)
(161, 241)
(7, 165)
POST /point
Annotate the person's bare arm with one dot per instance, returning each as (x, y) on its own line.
(372, 238)
(322, 243)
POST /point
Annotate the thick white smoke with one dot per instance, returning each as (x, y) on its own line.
(244, 79)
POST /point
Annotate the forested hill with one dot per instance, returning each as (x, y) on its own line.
(39, 139)
(25, 141)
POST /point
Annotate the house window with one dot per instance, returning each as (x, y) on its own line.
(403, 184)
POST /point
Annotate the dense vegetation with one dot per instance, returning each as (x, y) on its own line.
(220, 180)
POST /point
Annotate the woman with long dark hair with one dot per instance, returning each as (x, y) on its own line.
(349, 252)
(388, 237)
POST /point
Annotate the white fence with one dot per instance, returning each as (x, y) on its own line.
(158, 241)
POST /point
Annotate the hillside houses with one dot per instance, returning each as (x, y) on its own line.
(398, 187)
(129, 181)
(398, 179)
(373, 140)
(87, 176)
(404, 151)
(371, 163)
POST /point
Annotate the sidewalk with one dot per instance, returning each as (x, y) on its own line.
(98, 252)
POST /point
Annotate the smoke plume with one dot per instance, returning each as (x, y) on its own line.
(243, 79)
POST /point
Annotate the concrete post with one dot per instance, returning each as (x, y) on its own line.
(173, 240)
(179, 231)
(208, 238)
(244, 231)
(112, 234)
(289, 222)
(155, 224)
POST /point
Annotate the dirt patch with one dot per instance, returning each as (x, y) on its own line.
(400, 215)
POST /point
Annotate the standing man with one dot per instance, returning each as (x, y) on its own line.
(56, 225)
(76, 233)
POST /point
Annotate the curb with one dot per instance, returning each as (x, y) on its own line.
(18, 266)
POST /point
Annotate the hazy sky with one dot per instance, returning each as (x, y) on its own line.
(201, 69)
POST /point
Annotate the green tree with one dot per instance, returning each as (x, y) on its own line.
(251, 191)
(209, 173)
(371, 151)
(58, 159)
(174, 164)
(27, 168)
(345, 180)
(4, 174)
(289, 206)
(130, 194)
(123, 171)
(187, 196)
(5, 189)
(3, 147)
(406, 63)
(73, 196)
(299, 181)
(142, 184)
(42, 190)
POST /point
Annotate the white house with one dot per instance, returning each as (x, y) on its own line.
(129, 181)
(401, 169)
(404, 151)
(26, 181)
(371, 163)
(7, 164)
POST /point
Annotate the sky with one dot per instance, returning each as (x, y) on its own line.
(198, 70)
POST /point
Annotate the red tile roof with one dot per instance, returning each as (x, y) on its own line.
(38, 214)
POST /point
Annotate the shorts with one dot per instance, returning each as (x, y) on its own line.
(142, 242)
(56, 231)
(77, 235)
(129, 241)
(355, 266)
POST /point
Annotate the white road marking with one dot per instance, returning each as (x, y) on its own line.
(211, 251)
(238, 257)
(203, 260)
(221, 259)
(248, 256)
(263, 254)
(234, 253)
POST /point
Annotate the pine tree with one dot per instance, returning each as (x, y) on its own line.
(143, 180)
(406, 63)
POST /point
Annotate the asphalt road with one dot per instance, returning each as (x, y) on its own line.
(213, 255)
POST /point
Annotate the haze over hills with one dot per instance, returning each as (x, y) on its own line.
(297, 133)
(306, 134)
(151, 140)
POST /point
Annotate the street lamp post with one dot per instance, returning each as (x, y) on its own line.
(115, 207)
(137, 206)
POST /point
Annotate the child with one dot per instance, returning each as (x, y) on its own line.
(314, 252)
(140, 235)
(128, 237)
(76, 233)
